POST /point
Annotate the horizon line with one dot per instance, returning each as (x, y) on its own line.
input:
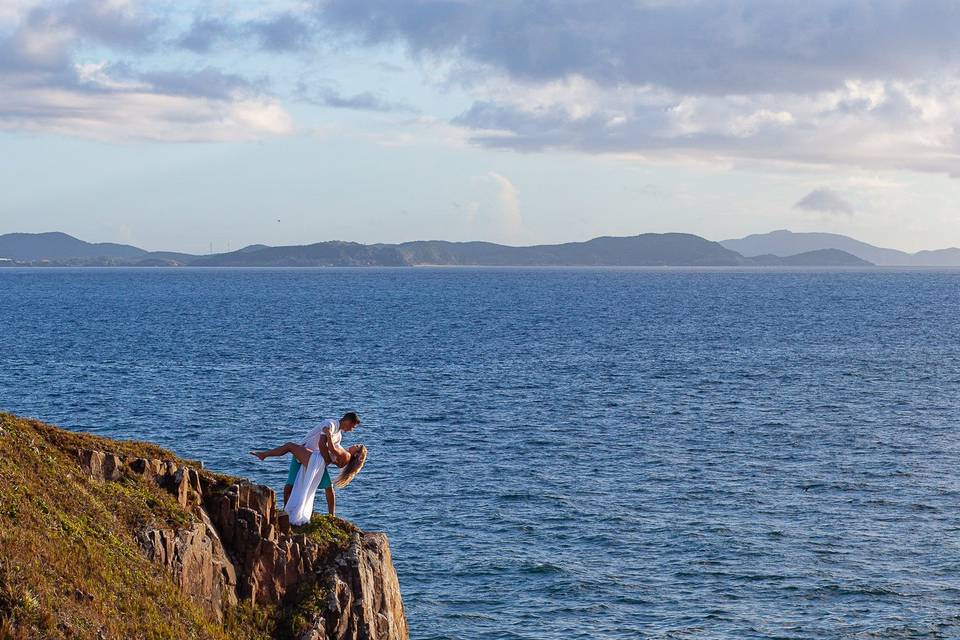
(502, 244)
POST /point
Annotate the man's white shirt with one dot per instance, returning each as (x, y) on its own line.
(332, 427)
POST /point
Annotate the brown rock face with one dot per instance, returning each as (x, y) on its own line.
(241, 548)
(198, 562)
(363, 595)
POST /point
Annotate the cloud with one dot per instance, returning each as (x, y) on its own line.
(204, 33)
(364, 101)
(868, 83)
(873, 125)
(824, 200)
(11, 11)
(389, 67)
(43, 36)
(510, 221)
(44, 88)
(207, 82)
(282, 32)
(115, 23)
(694, 46)
(495, 213)
(120, 110)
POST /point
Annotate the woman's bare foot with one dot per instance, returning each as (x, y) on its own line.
(260, 454)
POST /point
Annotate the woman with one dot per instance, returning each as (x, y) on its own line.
(313, 472)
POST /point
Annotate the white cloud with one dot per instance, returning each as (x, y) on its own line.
(12, 11)
(877, 125)
(510, 220)
(108, 108)
(825, 200)
(495, 211)
(869, 83)
(44, 89)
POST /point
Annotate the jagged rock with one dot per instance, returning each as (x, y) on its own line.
(181, 486)
(92, 462)
(240, 547)
(100, 465)
(363, 595)
(112, 467)
(138, 466)
(198, 562)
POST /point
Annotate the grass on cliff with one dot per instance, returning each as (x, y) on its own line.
(309, 601)
(327, 530)
(70, 566)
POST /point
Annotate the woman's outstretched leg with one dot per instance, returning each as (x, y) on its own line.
(300, 452)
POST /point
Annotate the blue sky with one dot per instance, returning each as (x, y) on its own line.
(174, 125)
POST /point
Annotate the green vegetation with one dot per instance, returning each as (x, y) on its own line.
(308, 602)
(70, 565)
(300, 617)
(327, 530)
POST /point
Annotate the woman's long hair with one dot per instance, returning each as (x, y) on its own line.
(349, 472)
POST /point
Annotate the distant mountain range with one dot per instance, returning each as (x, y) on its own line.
(787, 243)
(38, 246)
(648, 249)
(669, 249)
(60, 247)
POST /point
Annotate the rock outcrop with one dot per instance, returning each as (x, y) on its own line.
(237, 547)
(363, 595)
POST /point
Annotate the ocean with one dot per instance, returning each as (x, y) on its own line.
(558, 453)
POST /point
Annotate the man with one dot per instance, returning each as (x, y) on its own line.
(327, 436)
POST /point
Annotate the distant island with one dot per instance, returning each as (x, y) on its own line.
(786, 243)
(644, 250)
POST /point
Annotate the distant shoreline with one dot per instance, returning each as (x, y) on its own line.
(421, 267)
(644, 250)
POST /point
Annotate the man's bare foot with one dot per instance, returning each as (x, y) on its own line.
(259, 454)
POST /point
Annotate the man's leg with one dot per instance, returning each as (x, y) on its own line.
(291, 480)
(331, 501)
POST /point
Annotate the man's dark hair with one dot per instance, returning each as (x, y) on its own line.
(351, 416)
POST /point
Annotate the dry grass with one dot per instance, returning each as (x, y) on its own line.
(70, 566)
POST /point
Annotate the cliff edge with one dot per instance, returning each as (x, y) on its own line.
(112, 539)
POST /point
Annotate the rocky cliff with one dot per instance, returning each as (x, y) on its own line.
(109, 539)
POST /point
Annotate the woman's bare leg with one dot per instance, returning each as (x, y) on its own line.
(300, 452)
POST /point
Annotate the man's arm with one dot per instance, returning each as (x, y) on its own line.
(333, 451)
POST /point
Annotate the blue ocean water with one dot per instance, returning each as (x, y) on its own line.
(558, 453)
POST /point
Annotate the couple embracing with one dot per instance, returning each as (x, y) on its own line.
(319, 450)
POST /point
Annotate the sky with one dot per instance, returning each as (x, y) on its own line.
(213, 125)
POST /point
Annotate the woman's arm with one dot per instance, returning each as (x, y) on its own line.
(332, 453)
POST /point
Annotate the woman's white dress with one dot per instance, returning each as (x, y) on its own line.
(300, 504)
